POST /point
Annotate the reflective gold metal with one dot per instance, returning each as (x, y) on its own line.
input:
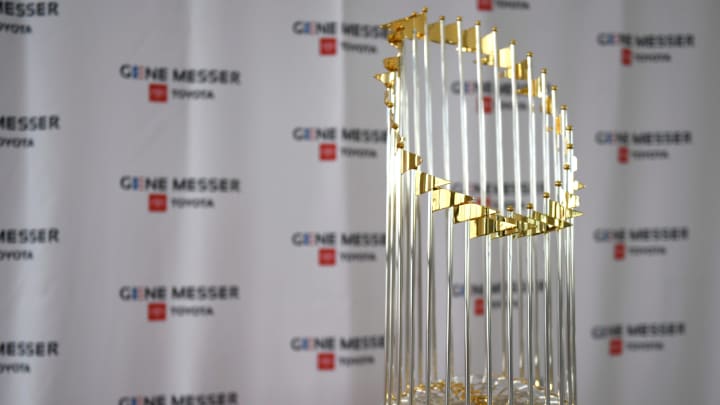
(425, 183)
(469, 211)
(443, 199)
(409, 161)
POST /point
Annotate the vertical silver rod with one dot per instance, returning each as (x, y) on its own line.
(412, 242)
(430, 305)
(549, 382)
(407, 239)
(566, 251)
(518, 204)
(397, 377)
(416, 99)
(498, 126)
(400, 215)
(428, 105)
(482, 154)
(547, 187)
(521, 260)
(400, 284)
(531, 331)
(430, 354)
(407, 277)
(509, 320)
(418, 303)
(571, 276)
(568, 295)
(483, 197)
(530, 318)
(468, 289)
(500, 165)
(515, 131)
(445, 112)
(554, 134)
(562, 366)
(531, 131)
(389, 248)
(488, 319)
(573, 353)
(466, 190)
(414, 217)
(394, 237)
(448, 334)
(545, 163)
(449, 239)
(568, 310)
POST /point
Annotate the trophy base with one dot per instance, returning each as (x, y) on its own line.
(478, 393)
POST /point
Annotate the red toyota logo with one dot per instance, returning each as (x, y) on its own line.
(157, 311)
(326, 257)
(487, 104)
(158, 93)
(328, 46)
(157, 202)
(626, 56)
(616, 347)
(619, 251)
(479, 307)
(623, 154)
(326, 361)
(485, 5)
(328, 151)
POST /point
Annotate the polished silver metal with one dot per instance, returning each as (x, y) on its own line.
(449, 369)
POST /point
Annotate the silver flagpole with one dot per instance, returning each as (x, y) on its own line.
(562, 263)
(482, 157)
(561, 279)
(518, 203)
(567, 181)
(449, 239)
(571, 269)
(499, 161)
(389, 246)
(466, 190)
(400, 228)
(430, 354)
(529, 242)
(547, 187)
(414, 218)
(395, 257)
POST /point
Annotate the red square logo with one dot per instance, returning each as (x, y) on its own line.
(157, 311)
(487, 104)
(626, 56)
(326, 361)
(485, 5)
(623, 154)
(328, 151)
(619, 251)
(328, 46)
(326, 257)
(158, 93)
(157, 202)
(479, 307)
(616, 347)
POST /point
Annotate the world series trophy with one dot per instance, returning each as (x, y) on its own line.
(435, 351)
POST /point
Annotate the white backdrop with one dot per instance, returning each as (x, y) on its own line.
(191, 204)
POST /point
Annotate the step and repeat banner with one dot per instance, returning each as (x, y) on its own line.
(192, 196)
